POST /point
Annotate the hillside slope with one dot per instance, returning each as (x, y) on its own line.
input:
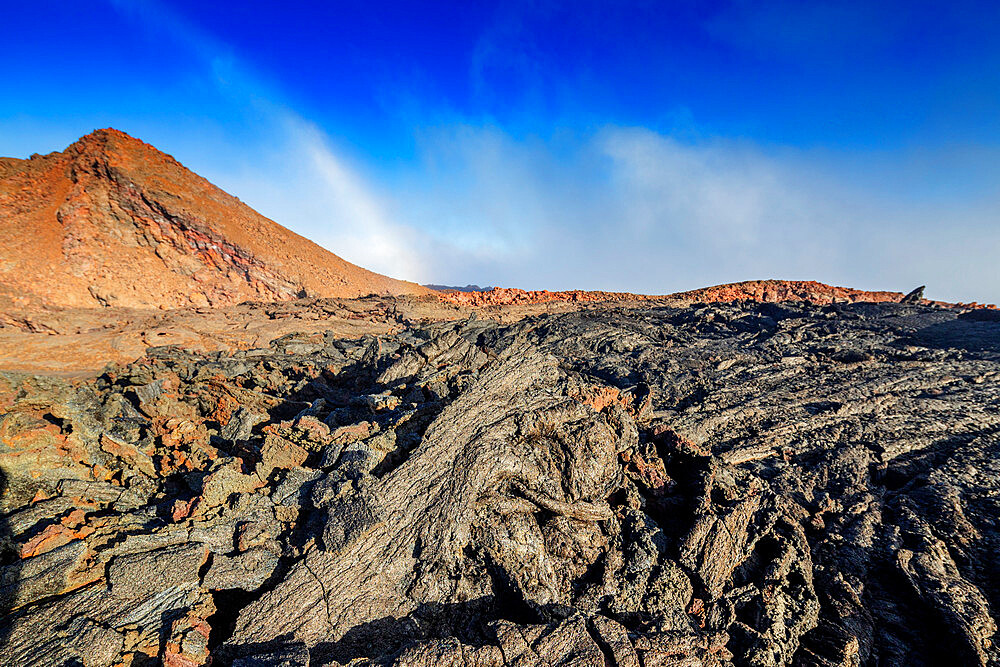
(113, 221)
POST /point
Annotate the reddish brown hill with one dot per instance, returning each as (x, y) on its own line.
(113, 221)
(785, 290)
(800, 290)
(751, 290)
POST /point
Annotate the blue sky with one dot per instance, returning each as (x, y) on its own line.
(642, 146)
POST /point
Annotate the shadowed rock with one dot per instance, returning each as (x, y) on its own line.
(915, 296)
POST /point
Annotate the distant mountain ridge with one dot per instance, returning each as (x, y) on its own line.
(112, 221)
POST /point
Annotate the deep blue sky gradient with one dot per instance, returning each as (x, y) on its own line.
(852, 74)
(435, 110)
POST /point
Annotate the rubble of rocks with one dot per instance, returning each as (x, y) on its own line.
(777, 291)
(512, 296)
(82, 341)
(722, 484)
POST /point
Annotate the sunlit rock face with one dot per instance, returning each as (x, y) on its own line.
(111, 221)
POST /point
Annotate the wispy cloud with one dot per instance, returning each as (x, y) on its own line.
(351, 218)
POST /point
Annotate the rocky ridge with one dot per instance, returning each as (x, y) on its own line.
(769, 291)
(718, 484)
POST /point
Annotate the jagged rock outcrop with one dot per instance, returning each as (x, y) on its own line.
(724, 484)
(914, 296)
(111, 221)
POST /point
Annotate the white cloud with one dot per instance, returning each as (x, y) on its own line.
(305, 184)
(353, 221)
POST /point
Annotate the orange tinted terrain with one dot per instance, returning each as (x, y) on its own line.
(112, 221)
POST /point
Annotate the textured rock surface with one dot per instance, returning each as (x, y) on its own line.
(746, 484)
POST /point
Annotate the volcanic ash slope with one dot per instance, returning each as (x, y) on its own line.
(112, 221)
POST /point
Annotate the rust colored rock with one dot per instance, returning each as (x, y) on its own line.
(182, 509)
(280, 453)
(51, 537)
(130, 453)
(187, 645)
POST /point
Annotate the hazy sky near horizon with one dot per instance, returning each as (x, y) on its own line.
(638, 146)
